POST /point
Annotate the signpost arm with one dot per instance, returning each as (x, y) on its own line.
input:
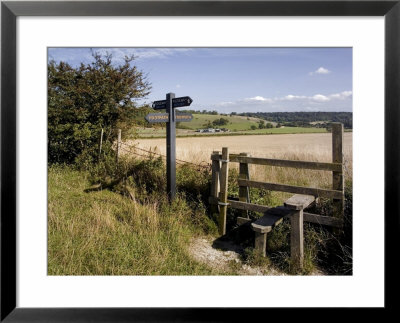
(171, 149)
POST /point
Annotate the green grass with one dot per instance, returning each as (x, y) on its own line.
(235, 122)
(105, 233)
(238, 125)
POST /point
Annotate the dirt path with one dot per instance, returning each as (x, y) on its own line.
(226, 257)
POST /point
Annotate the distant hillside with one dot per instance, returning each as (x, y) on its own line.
(304, 119)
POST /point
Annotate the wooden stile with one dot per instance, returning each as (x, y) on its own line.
(307, 217)
(244, 194)
(293, 207)
(223, 194)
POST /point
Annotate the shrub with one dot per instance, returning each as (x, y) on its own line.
(83, 100)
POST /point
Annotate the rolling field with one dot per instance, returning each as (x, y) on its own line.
(198, 149)
(308, 147)
(236, 123)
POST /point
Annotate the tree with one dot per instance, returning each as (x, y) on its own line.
(253, 127)
(220, 122)
(83, 100)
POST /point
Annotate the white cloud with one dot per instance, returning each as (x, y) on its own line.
(258, 98)
(291, 97)
(320, 97)
(321, 70)
(342, 95)
(319, 102)
(178, 86)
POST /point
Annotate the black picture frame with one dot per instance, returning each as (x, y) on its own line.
(10, 10)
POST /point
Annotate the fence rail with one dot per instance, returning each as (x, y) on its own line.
(282, 162)
(317, 192)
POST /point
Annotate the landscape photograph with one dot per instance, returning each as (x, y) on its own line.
(199, 161)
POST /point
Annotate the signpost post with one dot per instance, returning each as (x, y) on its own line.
(170, 117)
(171, 148)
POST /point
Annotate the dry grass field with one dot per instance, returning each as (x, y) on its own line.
(308, 147)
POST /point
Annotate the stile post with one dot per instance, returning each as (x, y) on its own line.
(215, 170)
(296, 239)
(118, 144)
(260, 243)
(171, 148)
(337, 176)
(101, 142)
(244, 173)
(223, 195)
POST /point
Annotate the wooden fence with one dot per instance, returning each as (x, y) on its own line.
(219, 189)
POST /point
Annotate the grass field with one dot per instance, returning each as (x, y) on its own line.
(106, 233)
(238, 125)
(316, 146)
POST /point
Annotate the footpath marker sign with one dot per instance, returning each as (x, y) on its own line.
(183, 101)
(164, 117)
(170, 117)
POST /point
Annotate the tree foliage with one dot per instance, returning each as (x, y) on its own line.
(83, 100)
(220, 122)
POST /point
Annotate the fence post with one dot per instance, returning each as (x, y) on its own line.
(101, 142)
(244, 173)
(118, 144)
(337, 177)
(215, 170)
(297, 240)
(223, 194)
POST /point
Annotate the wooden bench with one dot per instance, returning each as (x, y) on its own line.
(293, 208)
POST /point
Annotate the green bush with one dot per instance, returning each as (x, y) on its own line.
(83, 100)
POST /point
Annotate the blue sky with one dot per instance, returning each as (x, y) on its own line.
(240, 79)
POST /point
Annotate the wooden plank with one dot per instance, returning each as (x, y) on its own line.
(215, 170)
(299, 201)
(266, 223)
(323, 220)
(223, 194)
(260, 243)
(244, 194)
(337, 176)
(297, 240)
(248, 206)
(283, 162)
(287, 163)
(317, 192)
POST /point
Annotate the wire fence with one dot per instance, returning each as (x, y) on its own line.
(131, 149)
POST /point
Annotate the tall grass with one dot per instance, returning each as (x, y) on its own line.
(124, 225)
(104, 233)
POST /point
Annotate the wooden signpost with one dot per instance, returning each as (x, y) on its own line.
(170, 117)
